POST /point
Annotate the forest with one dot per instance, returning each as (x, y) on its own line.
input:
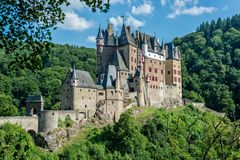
(17, 84)
(182, 133)
(211, 65)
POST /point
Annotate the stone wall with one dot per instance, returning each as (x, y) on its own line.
(48, 120)
(27, 122)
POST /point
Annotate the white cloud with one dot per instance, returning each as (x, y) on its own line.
(74, 22)
(144, 9)
(135, 23)
(130, 20)
(91, 39)
(194, 11)
(116, 1)
(188, 7)
(163, 2)
(116, 21)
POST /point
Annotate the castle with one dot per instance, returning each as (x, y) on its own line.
(131, 68)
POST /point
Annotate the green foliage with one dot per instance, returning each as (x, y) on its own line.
(211, 65)
(6, 106)
(182, 133)
(23, 82)
(26, 27)
(67, 122)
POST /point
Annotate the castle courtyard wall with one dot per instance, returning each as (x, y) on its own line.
(27, 122)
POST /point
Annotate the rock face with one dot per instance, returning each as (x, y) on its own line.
(56, 138)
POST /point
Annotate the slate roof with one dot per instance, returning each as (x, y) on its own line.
(83, 78)
(110, 77)
(151, 42)
(129, 37)
(118, 61)
(35, 98)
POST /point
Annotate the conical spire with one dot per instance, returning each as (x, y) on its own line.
(74, 75)
(100, 35)
(144, 39)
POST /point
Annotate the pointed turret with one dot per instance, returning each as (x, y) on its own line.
(74, 79)
(99, 35)
(144, 45)
(74, 76)
(144, 39)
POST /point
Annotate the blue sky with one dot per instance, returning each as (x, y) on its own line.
(167, 18)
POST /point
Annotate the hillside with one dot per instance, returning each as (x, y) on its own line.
(211, 65)
(16, 85)
(141, 133)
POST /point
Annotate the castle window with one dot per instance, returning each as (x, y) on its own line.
(155, 78)
(131, 89)
(89, 97)
(179, 72)
(160, 63)
(150, 86)
(150, 69)
(175, 79)
(151, 60)
(131, 59)
(100, 93)
(112, 102)
(154, 86)
(179, 80)
(161, 71)
(125, 74)
(174, 66)
(154, 62)
(80, 90)
(122, 73)
(155, 70)
(169, 72)
(85, 106)
(131, 67)
(89, 90)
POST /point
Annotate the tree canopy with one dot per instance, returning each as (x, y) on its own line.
(25, 28)
(210, 62)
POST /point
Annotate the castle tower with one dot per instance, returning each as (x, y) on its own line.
(144, 45)
(173, 73)
(73, 87)
(140, 87)
(34, 105)
(100, 45)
